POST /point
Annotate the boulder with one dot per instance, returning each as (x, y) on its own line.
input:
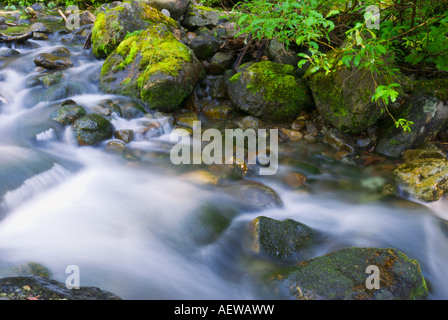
(114, 24)
(269, 90)
(278, 239)
(39, 27)
(39, 288)
(424, 178)
(341, 275)
(68, 114)
(427, 108)
(92, 129)
(152, 65)
(176, 8)
(199, 16)
(340, 141)
(253, 195)
(52, 62)
(344, 97)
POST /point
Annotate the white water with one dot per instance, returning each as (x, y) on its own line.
(127, 226)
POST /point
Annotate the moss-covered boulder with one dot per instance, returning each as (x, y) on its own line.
(68, 114)
(427, 108)
(177, 8)
(269, 90)
(51, 61)
(341, 275)
(343, 97)
(113, 23)
(152, 65)
(38, 288)
(278, 239)
(200, 16)
(425, 179)
(91, 129)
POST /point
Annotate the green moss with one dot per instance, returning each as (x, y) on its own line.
(160, 51)
(437, 88)
(235, 77)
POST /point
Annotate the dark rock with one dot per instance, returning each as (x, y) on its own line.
(197, 16)
(38, 288)
(204, 46)
(177, 8)
(340, 141)
(427, 108)
(68, 114)
(39, 27)
(341, 275)
(124, 135)
(6, 53)
(221, 61)
(252, 195)
(278, 239)
(51, 61)
(92, 129)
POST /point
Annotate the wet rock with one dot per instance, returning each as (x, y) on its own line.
(221, 61)
(68, 114)
(73, 38)
(364, 142)
(186, 119)
(427, 108)
(31, 269)
(162, 83)
(92, 129)
(197, 16)
(85, 18)
(252, 195)
(201, 177)
(278, 239)
(278, 53)
(176, 8)
(216, 86)
(51, 61)
(39, 27)
(116, 146)
(6, 53)
(425, 179)
(248, 122)
(269, 90)
(341, 275)
(38, 288)
(51, 79)
(60, 91)
(39, 36)
(340, 141)
(414, 154)
(294, 179)
(292, 135)
(114, 23)
(221, 112)
(124, 135)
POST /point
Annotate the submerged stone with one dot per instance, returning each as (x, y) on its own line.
(51, 61)
(92, 129)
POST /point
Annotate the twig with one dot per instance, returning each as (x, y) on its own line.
(63, 16)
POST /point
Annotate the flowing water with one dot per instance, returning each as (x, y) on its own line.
(125, 221)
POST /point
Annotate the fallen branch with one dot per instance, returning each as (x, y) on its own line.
(63, 16)
(88, 42)
(21, 38)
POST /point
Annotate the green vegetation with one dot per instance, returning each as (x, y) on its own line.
(411, 37)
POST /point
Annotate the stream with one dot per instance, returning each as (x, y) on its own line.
(125, 221)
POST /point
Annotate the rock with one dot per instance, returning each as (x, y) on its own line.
(294, 179)
(221, 112)
(414, 154)
(292, 135)
(38, 6)
(341, 275)
(176, 8)
(343, 97)
(52, 62)
(73, 38)
(68, 114)
(116, 146)
(39, 27)
(253, 196)
(114, 24)
(6, 53)
(110, 107)
(124, 135)
(92, 129)
(269, 90)
(31, 269)
(38, 288)
(425, 179)
(278, 239)
(248, 122)
(216, 86)
(153, 66)
(277, 52)
(186, 119)
(201, 177)
(221, 61)
(39, 36)
(427, 108)
(85, 18)
(51, 79)
(340, 141)
(197, 16)
(204, 46)
(60, 91)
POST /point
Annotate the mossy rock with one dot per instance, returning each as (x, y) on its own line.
(39, 288)
(341, 275)
(278, 239)
(200, 16)
(269, 90)
(343, 97)
(426, 108)
(92, 129)
(425, 179)
(114, 23)
(177, 8)
(51, 61)
(68, 114)
(152, 65)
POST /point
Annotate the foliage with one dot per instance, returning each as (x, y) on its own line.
(16, 4)
(412, 36)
